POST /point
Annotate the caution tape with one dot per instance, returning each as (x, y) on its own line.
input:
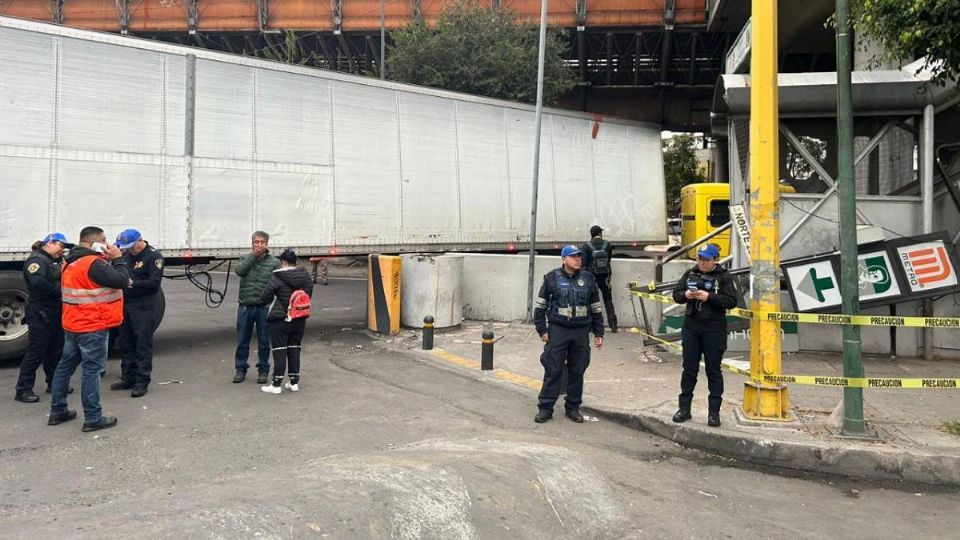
(823, 318)
(850, 382)
(636, 330)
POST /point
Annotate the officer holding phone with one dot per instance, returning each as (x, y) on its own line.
(707, 290)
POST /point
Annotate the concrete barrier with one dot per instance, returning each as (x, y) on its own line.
(495, 286)
(432, 286)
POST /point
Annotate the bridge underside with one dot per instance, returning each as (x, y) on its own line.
(649, 60)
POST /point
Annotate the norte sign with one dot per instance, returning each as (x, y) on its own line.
(738, 217)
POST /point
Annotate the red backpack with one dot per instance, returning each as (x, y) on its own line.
(299, 306)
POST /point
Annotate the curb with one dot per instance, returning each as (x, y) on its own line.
(899, 464)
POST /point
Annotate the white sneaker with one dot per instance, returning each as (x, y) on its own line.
(271, 389)
(292, 387)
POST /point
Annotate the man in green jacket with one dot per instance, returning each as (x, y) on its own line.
(254, 270)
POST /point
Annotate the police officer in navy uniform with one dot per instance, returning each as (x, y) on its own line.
(145, 265)
(707, 290)
(597, 259)
(568, 309)
(41, 272)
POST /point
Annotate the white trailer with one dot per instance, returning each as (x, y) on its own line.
(197, 149)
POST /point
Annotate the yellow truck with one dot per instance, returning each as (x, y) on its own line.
(705, 208)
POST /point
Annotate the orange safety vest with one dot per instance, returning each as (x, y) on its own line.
(88, 307)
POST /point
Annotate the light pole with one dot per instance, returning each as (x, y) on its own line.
(536, 157)
(383, 40)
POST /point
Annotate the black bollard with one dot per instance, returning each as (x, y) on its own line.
(428, 333)
(486, 354)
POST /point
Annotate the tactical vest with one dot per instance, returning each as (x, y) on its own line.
(570, 297)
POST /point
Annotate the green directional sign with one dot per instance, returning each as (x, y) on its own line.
(813, 285)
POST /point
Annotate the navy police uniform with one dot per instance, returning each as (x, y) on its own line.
(41, 272)
(568, 309)
(139, 319)
(704, 332)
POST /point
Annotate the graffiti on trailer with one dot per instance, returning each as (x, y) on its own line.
(620, 216)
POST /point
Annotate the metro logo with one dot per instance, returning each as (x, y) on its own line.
(927, 266)
(930, 265)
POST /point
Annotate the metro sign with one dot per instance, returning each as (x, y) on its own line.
(927, 266)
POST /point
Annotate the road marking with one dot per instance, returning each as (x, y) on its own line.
(454, 359)
(506, 375)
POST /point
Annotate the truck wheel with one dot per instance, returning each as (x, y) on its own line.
(13, 312)
(159, 310)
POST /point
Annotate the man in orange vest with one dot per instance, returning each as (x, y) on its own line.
(92, 286)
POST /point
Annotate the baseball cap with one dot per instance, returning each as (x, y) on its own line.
(128, 238)
(596, 230)
(57, 237)
(569, 250)
(708, 251)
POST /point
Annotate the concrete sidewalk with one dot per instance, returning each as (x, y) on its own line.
(638, 386)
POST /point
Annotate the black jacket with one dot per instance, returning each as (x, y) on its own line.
(711, 313)
(146, 271)
(41, 272)
(106, 274)
(283, 281)
(596, 243)
(560, 294)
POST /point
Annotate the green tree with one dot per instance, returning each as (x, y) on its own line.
(479, 50)
(680, 166)
(909, 29)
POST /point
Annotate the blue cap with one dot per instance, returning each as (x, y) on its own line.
(708, 251)
(128, 238)
(57, 237)
(569, 250)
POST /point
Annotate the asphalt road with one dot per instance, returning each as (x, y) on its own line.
(381, 444)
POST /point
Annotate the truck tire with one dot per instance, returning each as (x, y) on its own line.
(13, 312)
(159, 310)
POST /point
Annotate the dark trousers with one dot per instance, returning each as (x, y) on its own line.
(44, 348)
(247, 317)
(285, 341)
(570, 346)
(136, 343)
(603, 283)
(711, 346)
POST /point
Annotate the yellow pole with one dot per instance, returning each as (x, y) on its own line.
(761, 400)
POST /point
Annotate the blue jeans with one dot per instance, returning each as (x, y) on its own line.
(88, 350)
(247, 316)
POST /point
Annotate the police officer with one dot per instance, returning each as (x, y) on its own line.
(41, 272)
(568, 308)
(707, 290)
(145, 265)
(597, 259)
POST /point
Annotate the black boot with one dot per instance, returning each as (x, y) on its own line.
(27, 396)
(543, 415)
(682, 415)
(239, 376)
(713, 418)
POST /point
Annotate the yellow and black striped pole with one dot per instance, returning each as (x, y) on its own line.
(383, 294)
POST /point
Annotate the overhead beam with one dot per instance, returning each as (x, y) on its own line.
(193, 16)
(123, 16)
